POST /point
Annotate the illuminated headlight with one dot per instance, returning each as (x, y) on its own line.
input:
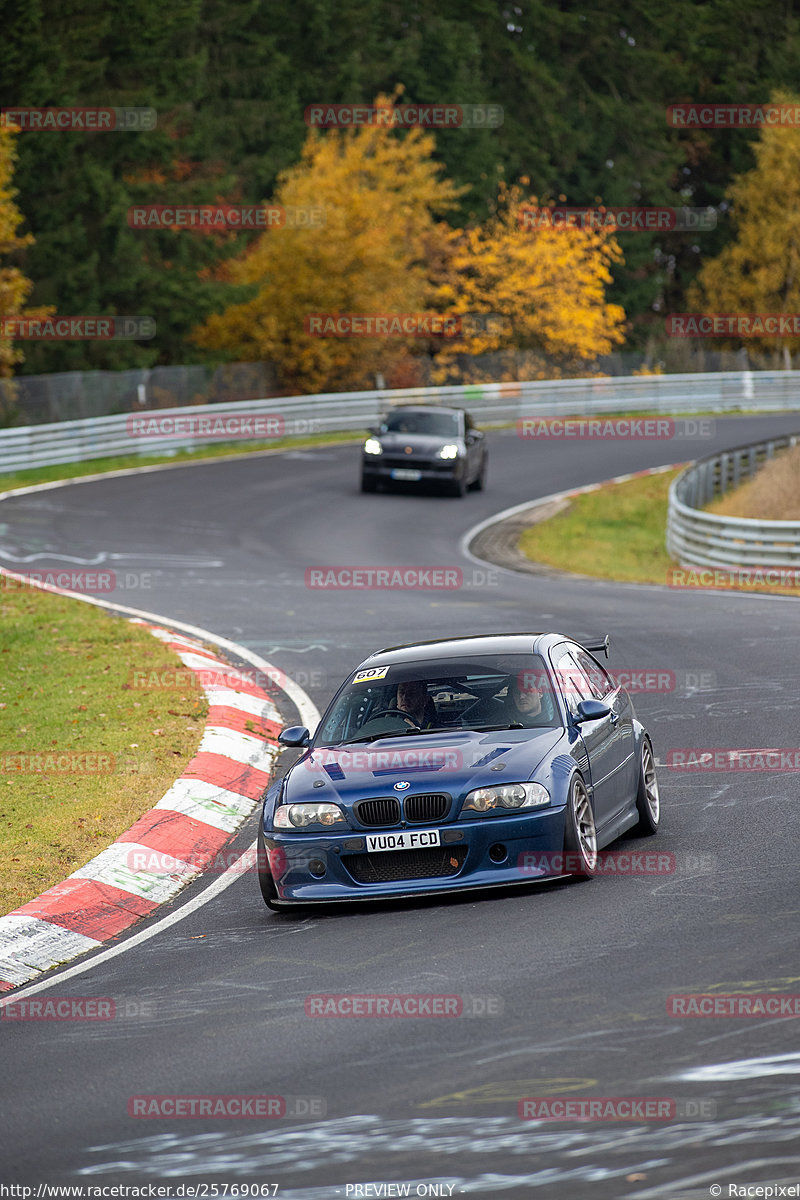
(299, 816)
(373, 446)
(507, 796)
(448, 452)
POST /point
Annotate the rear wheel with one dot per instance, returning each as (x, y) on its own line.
(580, 835)
(648, 800)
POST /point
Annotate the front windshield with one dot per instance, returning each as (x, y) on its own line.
(437, 424)
(511, 690)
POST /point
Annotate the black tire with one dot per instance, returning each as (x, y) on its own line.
(648, 800)
(580, 835)
(458, 487)
(479, 483)
(368, 484)
(269, 892)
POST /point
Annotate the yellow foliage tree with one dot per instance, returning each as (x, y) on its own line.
(759, 272)
(545, 288)
(378, 191)
(14, 286)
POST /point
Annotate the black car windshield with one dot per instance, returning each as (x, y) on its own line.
(435, 424)
(503, 691)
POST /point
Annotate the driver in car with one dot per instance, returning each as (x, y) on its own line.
(413, 698)
(528, 701)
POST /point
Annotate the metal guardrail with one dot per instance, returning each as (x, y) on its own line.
(697, 538)
(112, 436)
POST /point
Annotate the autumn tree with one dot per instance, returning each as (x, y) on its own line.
(14, 286)
(361, 211)
(539, 287)
(759, 271)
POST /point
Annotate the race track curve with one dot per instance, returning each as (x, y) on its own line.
(577, 975)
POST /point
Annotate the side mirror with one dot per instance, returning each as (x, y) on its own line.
(592, 710)
(295, 736)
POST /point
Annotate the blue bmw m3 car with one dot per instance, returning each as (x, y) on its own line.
(459, 764)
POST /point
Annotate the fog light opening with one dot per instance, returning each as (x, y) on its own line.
(317, 867)
(498, 852)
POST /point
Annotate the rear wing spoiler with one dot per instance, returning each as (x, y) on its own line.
(596, 647)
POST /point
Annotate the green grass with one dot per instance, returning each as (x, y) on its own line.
(616, 532)
(100, 466)
(66, 688)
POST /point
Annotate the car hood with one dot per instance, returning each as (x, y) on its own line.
(420, 443)
(442, 762)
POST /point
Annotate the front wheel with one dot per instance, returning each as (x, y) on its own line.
(269, 893)
(580, 835)
(648, 800)
(368, 484)
(479, 483)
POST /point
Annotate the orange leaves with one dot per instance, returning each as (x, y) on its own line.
(382, 250)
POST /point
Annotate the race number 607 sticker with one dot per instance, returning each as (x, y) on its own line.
(370, 674)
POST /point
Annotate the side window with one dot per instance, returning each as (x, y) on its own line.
(468, 423)
(572, 681)
(601, 682)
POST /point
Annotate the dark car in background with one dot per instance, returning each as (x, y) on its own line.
(425, 445)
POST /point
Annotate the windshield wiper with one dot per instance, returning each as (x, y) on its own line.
(411, 732)
(512, 725)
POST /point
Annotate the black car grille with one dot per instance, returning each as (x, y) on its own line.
(389, 462)
(393, 866)
(429, 807)
(384, 811)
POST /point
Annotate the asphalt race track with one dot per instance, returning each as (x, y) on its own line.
(576, 976)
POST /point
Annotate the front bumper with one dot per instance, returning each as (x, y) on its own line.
(444, 470)
(470, 857)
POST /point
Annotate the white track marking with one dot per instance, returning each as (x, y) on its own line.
(309, 715)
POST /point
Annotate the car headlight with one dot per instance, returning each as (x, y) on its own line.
(299, 816)
(448, 451)
(506, 796)
(373, 446)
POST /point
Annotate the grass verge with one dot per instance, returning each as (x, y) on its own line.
(617, 532)
(84, 751)
(101, 466)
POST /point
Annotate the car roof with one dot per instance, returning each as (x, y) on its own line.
(465, 647)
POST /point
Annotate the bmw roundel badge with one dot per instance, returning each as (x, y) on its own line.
(402, 786)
